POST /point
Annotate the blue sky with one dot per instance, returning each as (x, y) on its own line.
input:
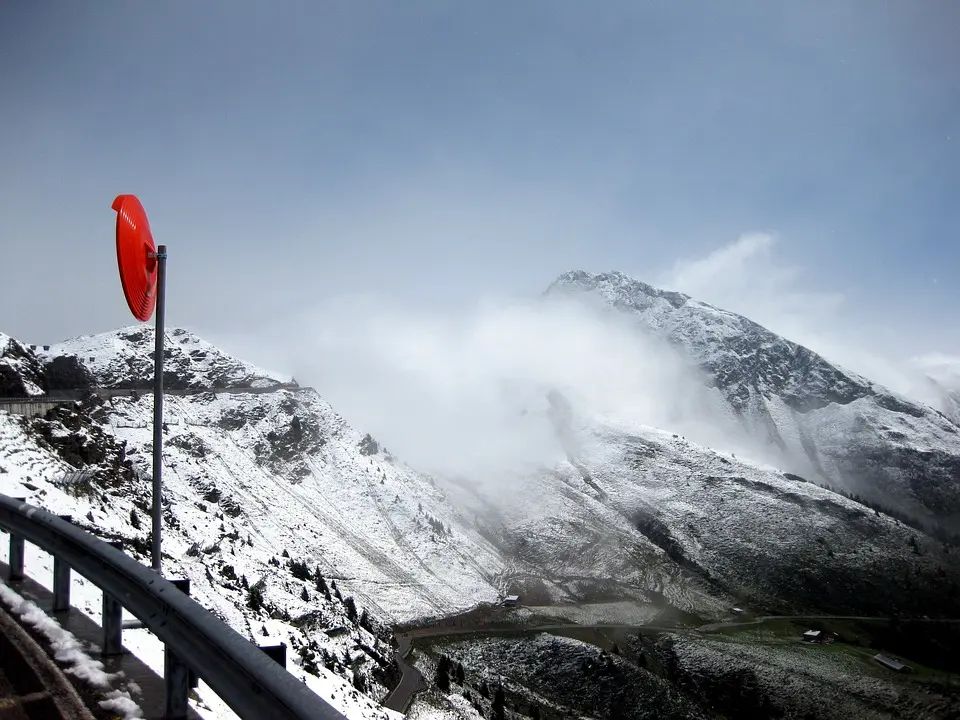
(436, 152)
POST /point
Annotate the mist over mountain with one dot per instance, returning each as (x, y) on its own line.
(453, 390)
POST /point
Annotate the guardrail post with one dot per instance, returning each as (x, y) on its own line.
(16, 557)
(176, 678)
(276, 652)
(61, 579)
(112, 619)
(183, 585)
(16, 552)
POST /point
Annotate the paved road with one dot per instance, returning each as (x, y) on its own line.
(31, 686)
(411, 681)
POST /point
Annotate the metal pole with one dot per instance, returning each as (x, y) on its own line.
(158, 406)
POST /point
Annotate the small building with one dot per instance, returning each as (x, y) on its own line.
(737, 611)
(818, 636)
(511, 601)
(891, 663)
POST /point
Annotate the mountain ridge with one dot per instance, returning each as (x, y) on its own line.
(827, 422)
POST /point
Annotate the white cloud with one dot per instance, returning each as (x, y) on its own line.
(747, 277)
(465, 390)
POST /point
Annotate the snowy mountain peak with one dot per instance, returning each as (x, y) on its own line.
(124, 358)
(21, 374)
(619, 286)
(826, 422)
(744, 357)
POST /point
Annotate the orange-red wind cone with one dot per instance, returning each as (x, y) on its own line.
(135, 256)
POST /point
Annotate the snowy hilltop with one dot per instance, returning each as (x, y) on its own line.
(124, 358)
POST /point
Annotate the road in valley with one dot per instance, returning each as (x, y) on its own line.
(412, 681)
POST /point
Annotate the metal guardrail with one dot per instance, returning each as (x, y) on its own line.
(248, 680)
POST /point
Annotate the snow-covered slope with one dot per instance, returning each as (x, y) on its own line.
(39, 461)
(640, 513)
(291, 475)
(828, 423)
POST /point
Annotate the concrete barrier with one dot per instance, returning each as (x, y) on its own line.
(40, 404)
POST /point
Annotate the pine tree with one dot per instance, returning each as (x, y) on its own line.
(351, 607)
(255, 596)
(304, 595)
(322, 584)
(299, 570)
(499, 703)
(461, 676)
(443, 673)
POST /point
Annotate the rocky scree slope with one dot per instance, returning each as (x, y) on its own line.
(829, 424)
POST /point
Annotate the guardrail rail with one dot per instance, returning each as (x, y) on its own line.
(195, 641)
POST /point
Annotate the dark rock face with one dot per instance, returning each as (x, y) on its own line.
(191, 444)
(66, 372)
(18, 367)
(578, 679)
(83, 444)
(369, 446)
(11, 385)
(284, 451)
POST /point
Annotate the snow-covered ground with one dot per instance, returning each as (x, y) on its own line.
(27, 469)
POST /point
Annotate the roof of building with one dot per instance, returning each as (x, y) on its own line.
(890, 662)
(511, 598)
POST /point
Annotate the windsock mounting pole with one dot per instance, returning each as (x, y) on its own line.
(161, 257)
